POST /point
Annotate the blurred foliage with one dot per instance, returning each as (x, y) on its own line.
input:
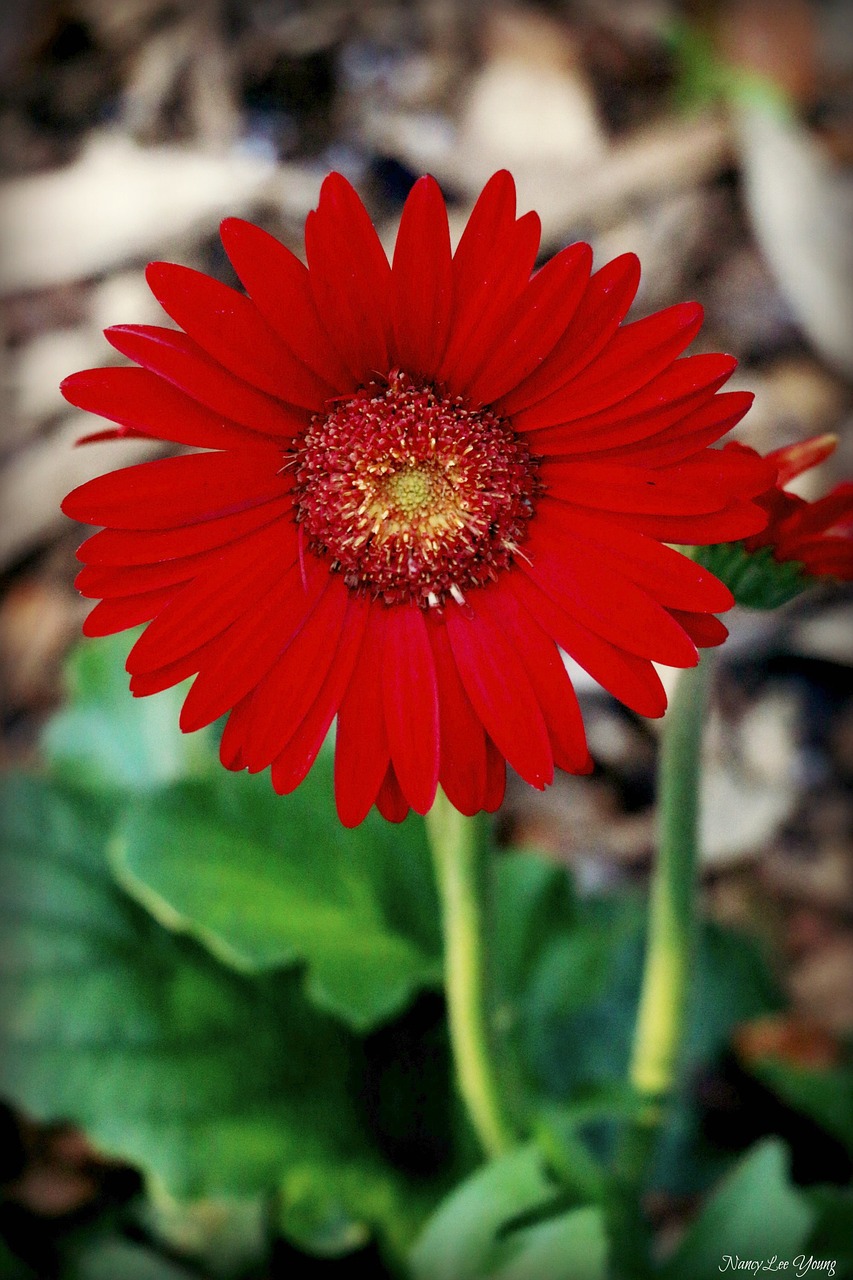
(232, 993)
(755, 1214)
(703, 79)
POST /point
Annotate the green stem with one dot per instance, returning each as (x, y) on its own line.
(462, 873)
(672, 906)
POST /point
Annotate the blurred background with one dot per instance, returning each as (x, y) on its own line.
(713, 139)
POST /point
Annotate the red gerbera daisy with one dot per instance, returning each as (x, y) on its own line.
(421, 479)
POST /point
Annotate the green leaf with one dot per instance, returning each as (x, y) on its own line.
(573, 1244)
(578, 1007)
(533, 901)
(266, 881)
(105, 737)
(460, 1241)
(479, 1232)
(754, 578)
(207, 1081)
(755, 1214)
(334, 1208)
(110, 1257)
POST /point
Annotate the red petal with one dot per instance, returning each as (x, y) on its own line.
(142, 547)
(794, 459)
(631, 679)
(548, 677)
(734, 471)
(238, 659)
(631, 359)
(410, 702)
(284, 696)
(495, 777)
(601, 310)
(690, 435)
(480, 314)
(145, 403)
(228, 326)
(293, 763)
(421, 279)
(536, 321)
(490, 222)
(201, 611)
(126, 611)
(607, 603)
(704, 629)
(828, 556)
(177, 491)
(231, 746)
(280, 287)
(462, 771)
(361, 744)
(739, 520)
(607, 486)
(669, 398)
(103, 581)
(350, 279)
(391, 802)
(173, 356)
(833, 510)
(669, 577)
(111, 433)
(148, 682)
(500, 692)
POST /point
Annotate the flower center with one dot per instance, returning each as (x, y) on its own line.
(411, 494)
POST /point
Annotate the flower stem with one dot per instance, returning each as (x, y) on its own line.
(462, 866)
(672, 908)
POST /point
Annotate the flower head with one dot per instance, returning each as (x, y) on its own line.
(418, 479)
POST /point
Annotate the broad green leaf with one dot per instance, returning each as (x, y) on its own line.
(483, 1230)
(266, 881)
(755, 1214)
(210, 1082)
(112, 1257)
(571, 1245)
(754, 578)
(461, 1240)
(106, 737)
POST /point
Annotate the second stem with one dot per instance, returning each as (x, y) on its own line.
(461, 867)
(672, 904)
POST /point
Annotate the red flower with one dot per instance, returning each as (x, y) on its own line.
(817, 535)
(421, 478)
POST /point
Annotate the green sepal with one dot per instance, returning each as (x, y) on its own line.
(754, 578)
